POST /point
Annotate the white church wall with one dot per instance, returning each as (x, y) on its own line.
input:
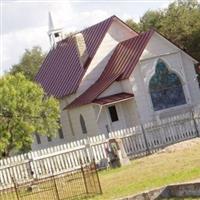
(55, 140)
(89, 116)
(65, 117)
(115, 34)
(103, 120)
(115, 88)
(70, 120)
(127, 116)
(158, 48)
(126, 86)
(139, 91)
(191, 79)
(130, 112)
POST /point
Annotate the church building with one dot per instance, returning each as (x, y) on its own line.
(108, 77)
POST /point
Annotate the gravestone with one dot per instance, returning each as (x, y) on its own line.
(116, 153)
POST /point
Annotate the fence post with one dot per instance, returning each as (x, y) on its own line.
(56, 188)
(145, 140)
(89, 149)
(84, 179)
(95, 167)
(15, 187)
(195, 123)
(30, 170)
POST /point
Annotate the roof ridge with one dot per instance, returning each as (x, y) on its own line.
(61, 72)
(107, 19)
(86, 28)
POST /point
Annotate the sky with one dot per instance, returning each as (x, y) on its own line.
(24, 23)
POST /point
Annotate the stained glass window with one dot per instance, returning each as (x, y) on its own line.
(165, 88)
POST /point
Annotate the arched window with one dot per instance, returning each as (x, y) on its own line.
(165, 88)
(83, 126)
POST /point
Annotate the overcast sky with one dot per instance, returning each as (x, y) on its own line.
(24, 24)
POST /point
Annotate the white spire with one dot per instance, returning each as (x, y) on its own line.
(55, 34)
(51, 25)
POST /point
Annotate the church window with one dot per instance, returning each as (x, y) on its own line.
(83, 126)
(165, 88)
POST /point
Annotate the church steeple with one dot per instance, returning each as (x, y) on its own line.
(55, 34)
(51, 25)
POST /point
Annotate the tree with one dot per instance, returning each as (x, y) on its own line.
(133, 25)
(151, 19)
(30, 62)
(24, 110)
(181, 24)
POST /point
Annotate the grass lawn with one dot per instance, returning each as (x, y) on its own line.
(177, 163)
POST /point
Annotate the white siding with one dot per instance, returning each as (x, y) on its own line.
(89, 116)
(191, 78)
(116, 33)
(127, 114)
(115, 88)
(177, 62)
(133, 111)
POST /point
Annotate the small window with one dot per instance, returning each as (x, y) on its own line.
(83, 126)
(113, 113)
(56, 34)
(49, 138)
(38, 138)
(60, 133)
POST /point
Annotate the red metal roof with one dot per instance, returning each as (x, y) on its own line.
(119, 67)
(113, 98)
(61, 71)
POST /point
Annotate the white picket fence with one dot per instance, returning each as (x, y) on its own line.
(137, 141)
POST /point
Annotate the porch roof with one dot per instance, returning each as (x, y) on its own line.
(113, 98)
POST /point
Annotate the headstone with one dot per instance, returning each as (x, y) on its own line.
(116, 153)
(124, 160)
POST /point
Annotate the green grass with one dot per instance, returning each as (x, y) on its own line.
(153, 171)
(178, 165)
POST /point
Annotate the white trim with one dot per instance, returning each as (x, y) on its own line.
(126, 26)
(169, 67)
(108, 119)
(99, 113)
(175, 108)
(185, 85)
(165, 54)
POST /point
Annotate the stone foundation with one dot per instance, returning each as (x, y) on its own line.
(178, 190)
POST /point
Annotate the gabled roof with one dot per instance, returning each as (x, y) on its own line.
(61, 71)
(120, 66)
